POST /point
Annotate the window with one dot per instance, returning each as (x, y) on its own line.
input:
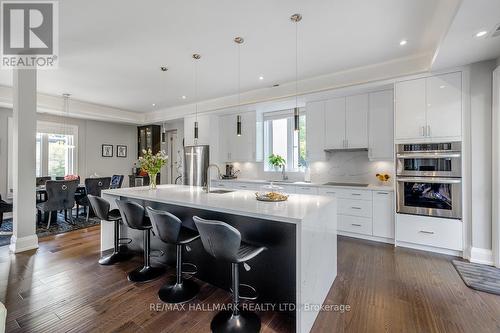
(280, 138)
(55, 150)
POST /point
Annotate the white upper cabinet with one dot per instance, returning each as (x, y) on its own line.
(356, 123)
(335, 123)
(381, 126)
(315, 131)
(410, 120)
(429, 109)
(444, 105)
(234, 148)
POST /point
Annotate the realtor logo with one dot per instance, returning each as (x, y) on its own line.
(29, 34)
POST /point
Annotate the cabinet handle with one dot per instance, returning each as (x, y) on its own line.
(428, 130)
(356, 194)
(422, 131)
(356, 225)
(427, 232)
(355, 207)
(330, 192)
(383, 193)
(346, 143)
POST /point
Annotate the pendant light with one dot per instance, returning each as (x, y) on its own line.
(239, 41)
(196, 57)
(66, 97)
(296, 18)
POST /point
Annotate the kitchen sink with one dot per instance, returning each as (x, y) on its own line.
(221, 191)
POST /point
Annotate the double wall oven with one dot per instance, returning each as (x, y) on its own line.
(429, 179)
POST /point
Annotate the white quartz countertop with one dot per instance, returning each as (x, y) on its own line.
(370, 187)
(238, 202)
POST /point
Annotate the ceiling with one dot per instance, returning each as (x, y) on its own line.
(461, 46)
(111, 51)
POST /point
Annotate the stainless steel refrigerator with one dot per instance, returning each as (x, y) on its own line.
(196, 161)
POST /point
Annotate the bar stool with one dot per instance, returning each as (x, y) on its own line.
(223, 241)
(101, 209)
(134, 216)
(169, 229)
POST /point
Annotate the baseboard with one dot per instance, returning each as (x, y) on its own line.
(430, 249)
(367, 237)
(23, 244)
(481, 256)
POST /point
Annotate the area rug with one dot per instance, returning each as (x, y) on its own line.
(479, 277)
(55, 228)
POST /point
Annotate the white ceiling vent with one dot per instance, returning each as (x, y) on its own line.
(496, 33)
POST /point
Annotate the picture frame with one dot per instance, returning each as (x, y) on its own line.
(121, 151)
(107, 150)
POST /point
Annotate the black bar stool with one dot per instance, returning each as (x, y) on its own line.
(169, 229)
(101, 209)
(134, 216)
(223, 241)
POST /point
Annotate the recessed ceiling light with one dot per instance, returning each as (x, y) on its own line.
(183, 97)
(481, 33)
(163, 68)
(153, 104)
(261, 78)
(403, 42)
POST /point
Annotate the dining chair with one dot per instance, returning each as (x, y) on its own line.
(116, 181)
(93, 186)
(40, 181)
(60, 196)
(5, 207)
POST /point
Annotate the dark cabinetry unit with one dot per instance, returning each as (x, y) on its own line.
(148, 137)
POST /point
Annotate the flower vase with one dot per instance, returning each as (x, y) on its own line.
(152, 181)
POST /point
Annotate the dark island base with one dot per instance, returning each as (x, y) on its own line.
(272, 273)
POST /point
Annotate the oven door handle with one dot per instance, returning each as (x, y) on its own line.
(429, 155)
(432, 180)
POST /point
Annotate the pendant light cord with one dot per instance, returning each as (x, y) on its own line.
(196, 87)
(296, 63)
(239, 77)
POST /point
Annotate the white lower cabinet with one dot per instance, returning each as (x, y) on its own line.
(430, 231)
(383, 214)
(306, 190)
(355, 224)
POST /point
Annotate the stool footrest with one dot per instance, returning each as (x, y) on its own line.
(124, 241)
(247, 292)
(193, 271)
(156, 253)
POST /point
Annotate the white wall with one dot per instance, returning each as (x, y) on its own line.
(481, 113)
(91, 135)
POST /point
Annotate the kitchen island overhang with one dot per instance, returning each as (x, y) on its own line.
(300, 264)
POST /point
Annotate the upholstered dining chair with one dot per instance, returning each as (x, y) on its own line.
(5, 207)
(60, 196)
(93, 186)
(116, 181)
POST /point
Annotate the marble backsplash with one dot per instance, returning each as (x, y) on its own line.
(351, 166)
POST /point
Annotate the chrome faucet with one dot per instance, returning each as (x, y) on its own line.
(283, 174)
(207, 188)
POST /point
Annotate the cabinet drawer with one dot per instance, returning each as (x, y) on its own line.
(246, 186)
(328, 191)
(354, 194)
(306, 190)
(361, 208)
(359, 225)
(438, 232)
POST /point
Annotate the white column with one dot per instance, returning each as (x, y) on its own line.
(23, 161)
(495, 223)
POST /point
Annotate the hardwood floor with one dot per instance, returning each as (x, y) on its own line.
(61, 288)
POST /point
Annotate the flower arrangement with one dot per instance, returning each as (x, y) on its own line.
(152, 164)
(383, 177)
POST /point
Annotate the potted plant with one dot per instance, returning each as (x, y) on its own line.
(278, 162)
(152, 164)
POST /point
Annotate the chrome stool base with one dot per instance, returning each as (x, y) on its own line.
(227, 322)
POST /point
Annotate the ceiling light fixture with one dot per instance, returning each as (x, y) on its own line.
(164, 68)
(261, 78)
(296, 18)
(481, 33)
(403, 42)
(239, 41)
(183, 97)
(153, 105)
(196, 57)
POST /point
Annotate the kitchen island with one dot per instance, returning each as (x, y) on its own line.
(300, 263)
